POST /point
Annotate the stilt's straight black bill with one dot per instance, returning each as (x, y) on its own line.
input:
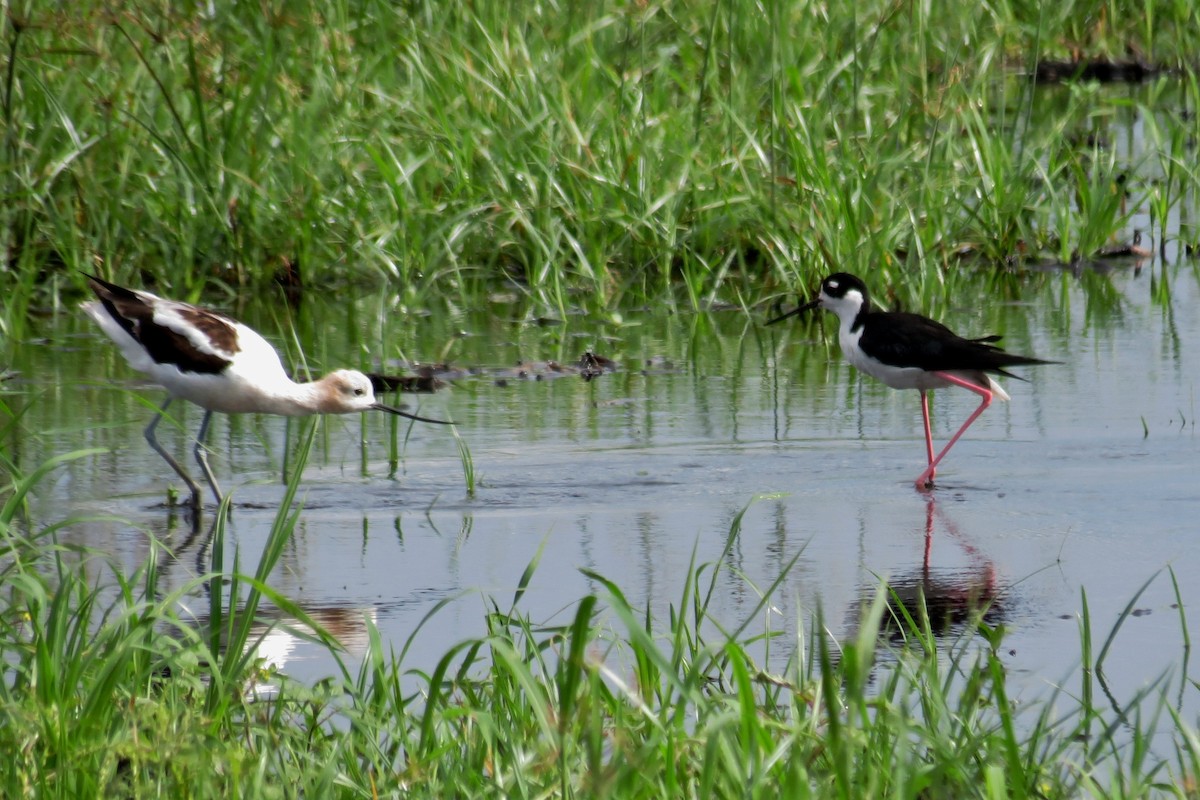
(391, 410)
(794, 312)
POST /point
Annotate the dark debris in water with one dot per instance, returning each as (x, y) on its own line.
(424, 379)
(1111, 257)
(427, 378)
(593, 366)
(1101, 70)
(589, 366)
(1132, 249)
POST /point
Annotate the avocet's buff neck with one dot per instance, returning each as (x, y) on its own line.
(340, 392)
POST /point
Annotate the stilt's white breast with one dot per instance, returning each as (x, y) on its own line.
(893, 376)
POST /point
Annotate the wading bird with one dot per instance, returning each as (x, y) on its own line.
(909, 351)
(220, 365)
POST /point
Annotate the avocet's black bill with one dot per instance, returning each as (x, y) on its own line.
(794, 312)
(398, 412)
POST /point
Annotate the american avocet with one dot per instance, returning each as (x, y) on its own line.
(220, 365)
(908, 351)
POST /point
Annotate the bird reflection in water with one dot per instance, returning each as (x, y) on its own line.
(953, 598)
(277, 639)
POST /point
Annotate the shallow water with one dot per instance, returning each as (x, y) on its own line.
(1085, 482)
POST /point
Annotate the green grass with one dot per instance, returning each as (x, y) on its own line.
(587, 153)
(108, 691)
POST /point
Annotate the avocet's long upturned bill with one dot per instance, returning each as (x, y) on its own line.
(908, 351)
(218, 364)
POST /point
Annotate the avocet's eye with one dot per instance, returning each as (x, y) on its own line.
(359, 391)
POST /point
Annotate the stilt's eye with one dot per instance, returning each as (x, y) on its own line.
(831, 284)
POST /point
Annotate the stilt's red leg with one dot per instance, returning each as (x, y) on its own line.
(928, 435)
(925, 479)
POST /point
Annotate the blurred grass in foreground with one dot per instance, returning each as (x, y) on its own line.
(109, 691)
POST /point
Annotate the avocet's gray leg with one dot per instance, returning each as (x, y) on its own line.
(158, 448)
(202, 455)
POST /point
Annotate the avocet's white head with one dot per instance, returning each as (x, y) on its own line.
(346, 391)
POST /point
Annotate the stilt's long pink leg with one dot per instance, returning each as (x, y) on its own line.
(925, 479)
(928, 434)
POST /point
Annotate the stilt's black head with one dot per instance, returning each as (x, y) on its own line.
(834, 289)
(840, 284)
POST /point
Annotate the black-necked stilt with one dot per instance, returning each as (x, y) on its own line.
(908, 351)
(220, 365)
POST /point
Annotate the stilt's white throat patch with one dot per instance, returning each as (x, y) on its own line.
(846, 306)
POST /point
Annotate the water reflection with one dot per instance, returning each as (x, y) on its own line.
(282, 641)
(952, 597)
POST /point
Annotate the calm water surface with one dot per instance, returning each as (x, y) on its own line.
(1085, 482)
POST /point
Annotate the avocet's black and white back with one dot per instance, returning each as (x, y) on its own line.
(909, 351)
(195, 353)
